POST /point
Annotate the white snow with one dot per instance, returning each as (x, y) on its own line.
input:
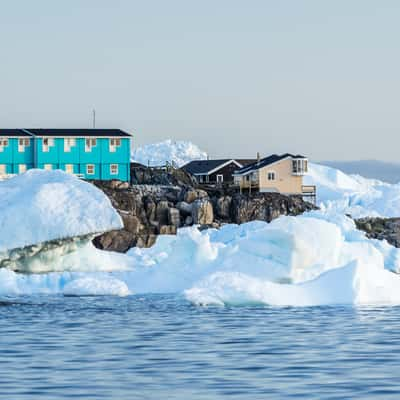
(353, 194)
(40, 206)
(158, 154)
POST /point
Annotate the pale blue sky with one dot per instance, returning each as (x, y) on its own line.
(236, 77)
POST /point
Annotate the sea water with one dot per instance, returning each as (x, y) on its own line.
(163, 347)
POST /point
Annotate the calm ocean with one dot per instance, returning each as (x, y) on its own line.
(162, 347)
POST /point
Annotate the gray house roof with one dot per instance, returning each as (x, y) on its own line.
(13, 133)
(205, 167)
(79, 132)
(264, 162)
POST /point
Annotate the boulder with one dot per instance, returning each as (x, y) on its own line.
(223, 207)
(120, 241)
(174, 217)
(192, 195)
(184, 208)
(162, 212)
(202, 212)
(131, 223)
(168, 230)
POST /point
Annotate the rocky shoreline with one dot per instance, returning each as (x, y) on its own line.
(151, 210)
(381, 228)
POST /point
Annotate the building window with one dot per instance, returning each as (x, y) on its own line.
(3, 169)
(21, 168)
(22, 143)
(3, 143)
(114, 169)
(114, 143)
(89, 144)
(46, 144)
(48, 167)
(68, 143)
(271, 176)
(220, 178)
(300, 166)
(90, 169)
(200, 178)
(69, 168)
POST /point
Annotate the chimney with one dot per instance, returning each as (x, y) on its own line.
(258, 158)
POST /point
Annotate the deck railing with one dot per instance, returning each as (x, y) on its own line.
(309, 193)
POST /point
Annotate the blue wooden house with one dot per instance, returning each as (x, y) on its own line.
(88, 153)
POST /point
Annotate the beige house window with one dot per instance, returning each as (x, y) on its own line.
(21, 168)
(46, 144)
(300, 166)
(114, 169)
(3, 143)
(68, 143)
(69, 168)
(114, 143)
(48, 167)
(22, 143)
(89, 144)
(271, 176)
(90, 169)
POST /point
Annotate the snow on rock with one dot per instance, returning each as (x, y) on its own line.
(353, 194)
(179, 152)
(40, 206)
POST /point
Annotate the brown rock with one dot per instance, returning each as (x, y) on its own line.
(202, 212)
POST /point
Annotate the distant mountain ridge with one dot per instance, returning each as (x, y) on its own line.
(373, 169)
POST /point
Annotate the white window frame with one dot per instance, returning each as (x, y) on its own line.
(3, 143)
(220, 178)
(113, 144)
(48, 167)
(92, 166)
(115, 166)
(89, 144)
(22, 168)
(69, 168)
(68, 143)
(271, 176)
(22, 144)
(47, 142)
(299, 166)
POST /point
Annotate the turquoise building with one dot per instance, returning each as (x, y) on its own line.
(88, 153)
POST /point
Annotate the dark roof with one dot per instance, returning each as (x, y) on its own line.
(204, 166)
(245, 161)
(79, 132)
(264, 162)
(13, 132)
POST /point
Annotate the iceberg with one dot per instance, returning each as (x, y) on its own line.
(353, 194)
(158, 154)
(47, 214)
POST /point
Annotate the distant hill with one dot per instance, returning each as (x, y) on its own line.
(384, 171)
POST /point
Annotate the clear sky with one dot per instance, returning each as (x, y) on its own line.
(236, 77)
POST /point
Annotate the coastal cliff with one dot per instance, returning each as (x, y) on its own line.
(149, 210)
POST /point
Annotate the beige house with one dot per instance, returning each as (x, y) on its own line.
(276, 173)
